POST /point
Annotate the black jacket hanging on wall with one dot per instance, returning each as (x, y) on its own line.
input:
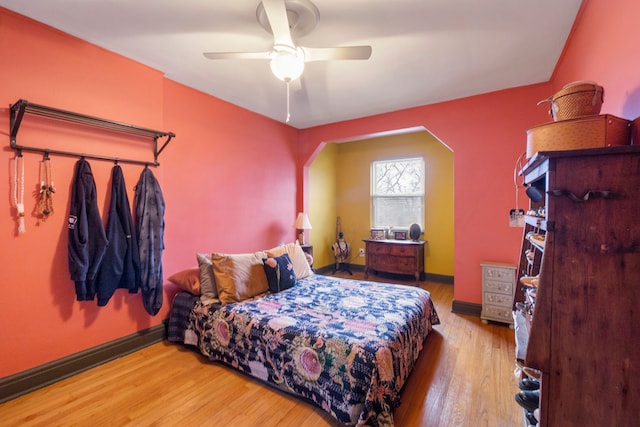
(87, 239)
(121, 263)
(149, 213)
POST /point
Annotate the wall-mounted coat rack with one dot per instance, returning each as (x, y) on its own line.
(23, 106)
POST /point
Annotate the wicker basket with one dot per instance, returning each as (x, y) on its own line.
(586, 132)
(577, 99)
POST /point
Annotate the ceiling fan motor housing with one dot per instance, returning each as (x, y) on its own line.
(303, 17)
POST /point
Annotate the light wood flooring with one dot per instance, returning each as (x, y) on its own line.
(463, 377)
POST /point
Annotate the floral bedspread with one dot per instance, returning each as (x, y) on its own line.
(347, 346)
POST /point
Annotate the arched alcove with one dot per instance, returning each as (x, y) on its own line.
(338, 184)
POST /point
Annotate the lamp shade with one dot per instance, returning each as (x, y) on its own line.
(302, 222)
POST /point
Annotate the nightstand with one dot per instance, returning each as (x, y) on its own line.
(498, 286)
(308, 249)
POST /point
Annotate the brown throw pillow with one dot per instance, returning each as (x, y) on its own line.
(239, 276)
(187, 280)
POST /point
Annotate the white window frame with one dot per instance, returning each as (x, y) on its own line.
(417, 193)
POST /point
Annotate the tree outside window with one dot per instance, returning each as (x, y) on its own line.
(397, 193)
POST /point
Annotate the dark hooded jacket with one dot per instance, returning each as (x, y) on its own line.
(121, 263)
(149, 217)
(87, 239)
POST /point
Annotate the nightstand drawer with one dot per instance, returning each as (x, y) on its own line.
(499, 287)
(502, 300)
(505, 274)
(500, 314)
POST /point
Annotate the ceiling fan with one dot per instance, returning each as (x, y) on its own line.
(288, 20)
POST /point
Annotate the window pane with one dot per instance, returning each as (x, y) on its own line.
(397, 211)
(401, 177)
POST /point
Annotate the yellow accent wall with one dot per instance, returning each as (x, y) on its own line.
(339, 184)
(323, 174)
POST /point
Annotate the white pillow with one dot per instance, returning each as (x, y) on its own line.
(297, 256)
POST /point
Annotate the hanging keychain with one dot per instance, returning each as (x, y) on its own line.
(516, 216)
(45, 205)
(18, 181)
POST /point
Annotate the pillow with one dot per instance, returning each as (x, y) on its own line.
(187, 280)
(296, 254)
(280, 273)
(239, 276)
(207, 280)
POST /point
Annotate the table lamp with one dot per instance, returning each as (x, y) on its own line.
(302, 223)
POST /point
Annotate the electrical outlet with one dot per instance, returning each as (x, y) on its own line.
(361, 252)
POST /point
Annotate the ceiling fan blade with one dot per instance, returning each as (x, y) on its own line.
(237, 55)
(279, 22)
(332, 53)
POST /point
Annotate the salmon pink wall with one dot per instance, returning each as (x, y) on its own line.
(42, 321)
(604, 47)
(228, 179)
(487, 135)
(234, 180)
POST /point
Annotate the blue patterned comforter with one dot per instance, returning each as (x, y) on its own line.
(347, 346)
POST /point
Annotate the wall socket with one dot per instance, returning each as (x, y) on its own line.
(361, 252)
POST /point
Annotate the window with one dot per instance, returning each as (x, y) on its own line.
(397, 192)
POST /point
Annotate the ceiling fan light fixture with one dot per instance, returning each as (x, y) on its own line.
(287, 63)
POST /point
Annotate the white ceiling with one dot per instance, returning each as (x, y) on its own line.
(424, 51)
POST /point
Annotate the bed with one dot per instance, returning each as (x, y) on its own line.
(347, 346)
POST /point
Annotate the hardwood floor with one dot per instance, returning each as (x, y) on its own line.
(463, 377)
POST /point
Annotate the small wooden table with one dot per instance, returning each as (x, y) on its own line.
(395, 256)
(308, 249)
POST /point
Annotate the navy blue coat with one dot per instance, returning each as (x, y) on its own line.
(87, 239)
(149, 216)
(121, 263)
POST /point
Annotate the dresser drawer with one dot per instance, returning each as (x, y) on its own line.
(405, 264)
(378, 249)
(505, 274)
(502, 300)
(397, 264)
(497, 313)
(498, 287)
(391, 249)
(403, 250)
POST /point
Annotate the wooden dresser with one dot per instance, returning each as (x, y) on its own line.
(395, 256)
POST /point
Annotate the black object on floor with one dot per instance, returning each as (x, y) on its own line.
(529, 384)
(531, 419)
(528, 399)
(342, 266)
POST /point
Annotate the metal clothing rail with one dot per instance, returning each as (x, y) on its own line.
(23, 106)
